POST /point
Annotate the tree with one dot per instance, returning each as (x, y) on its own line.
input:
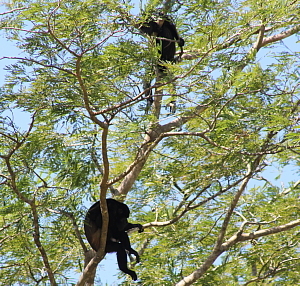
(196, 178)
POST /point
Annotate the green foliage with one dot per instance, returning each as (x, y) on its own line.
(81, 69)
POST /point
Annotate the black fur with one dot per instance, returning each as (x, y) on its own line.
(164, 28)
(117, 237)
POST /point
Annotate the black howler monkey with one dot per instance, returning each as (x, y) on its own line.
(166, 37)
(117, 237)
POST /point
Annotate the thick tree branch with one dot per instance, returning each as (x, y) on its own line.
(103, 191)
(233, 240)
(280, 36)
(152, 138)
(89, 270)
(219, 246)
(91, 266)
(260, 233)
(99, 167)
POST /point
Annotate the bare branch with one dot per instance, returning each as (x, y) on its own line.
(100, 169)
(13, 10)
(269, 231)
(234, 202)
(260, 38)
(239, 237)
(280, 36)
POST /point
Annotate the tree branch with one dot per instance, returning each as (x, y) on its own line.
(36, 238)
(13, 10)
(40, 63)
(91, 266)
(30, 202)
(280, 36)
(75, 225)
(219, 247)
(152, 138)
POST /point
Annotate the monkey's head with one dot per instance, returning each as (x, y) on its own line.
(118, 213)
